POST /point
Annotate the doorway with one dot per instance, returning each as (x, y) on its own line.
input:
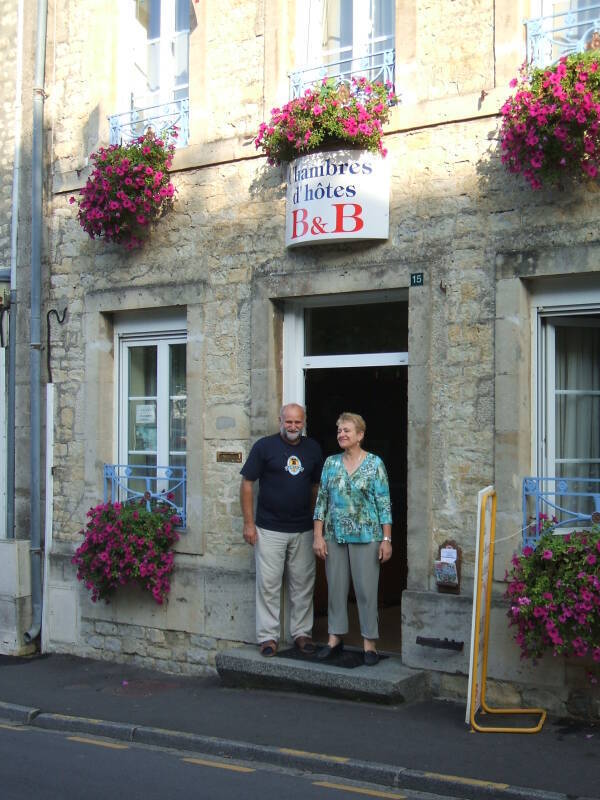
(354, 358)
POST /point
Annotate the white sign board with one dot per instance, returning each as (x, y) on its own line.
(340, 195)
(145, 414)
(482, 584)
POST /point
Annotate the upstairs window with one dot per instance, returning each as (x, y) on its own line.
(561, 27)
(342, 39)
(154, 65)
(160, 43)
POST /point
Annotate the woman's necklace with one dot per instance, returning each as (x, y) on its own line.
(352, 464)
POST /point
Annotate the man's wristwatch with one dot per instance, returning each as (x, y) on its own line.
(387, 539)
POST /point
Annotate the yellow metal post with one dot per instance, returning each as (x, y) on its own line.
(486, 630)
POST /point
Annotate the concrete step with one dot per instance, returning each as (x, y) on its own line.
(387, 682)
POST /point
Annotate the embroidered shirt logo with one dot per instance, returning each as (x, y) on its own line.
(294, 465)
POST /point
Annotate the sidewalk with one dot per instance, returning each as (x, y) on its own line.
(417, 745)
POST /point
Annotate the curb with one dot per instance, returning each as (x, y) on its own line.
(385, 775)
(14, 713)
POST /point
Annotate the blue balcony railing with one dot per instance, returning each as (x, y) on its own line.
(573, 502)
(377, 66)
(126, 483)
(556, 35)
(130, 124)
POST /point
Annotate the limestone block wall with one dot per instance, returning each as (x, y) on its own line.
(479, 236)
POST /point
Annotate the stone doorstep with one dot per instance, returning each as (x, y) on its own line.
(387, 682)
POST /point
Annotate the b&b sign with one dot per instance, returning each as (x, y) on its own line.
(342, 195)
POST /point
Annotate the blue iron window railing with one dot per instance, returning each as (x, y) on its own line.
(571, 502)
(128, 482)
(562, 33)
(130, 124)
(376, 66)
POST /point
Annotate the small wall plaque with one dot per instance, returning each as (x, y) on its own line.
(416, 279)
(229, 458)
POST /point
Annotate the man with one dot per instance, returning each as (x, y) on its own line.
(287, 466)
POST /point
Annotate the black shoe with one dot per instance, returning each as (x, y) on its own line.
(371, 657)
(328, 651)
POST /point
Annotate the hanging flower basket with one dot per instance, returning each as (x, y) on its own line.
(328, 116)
(554, 594)
(126, 543)
(129, 189)
(550, 129)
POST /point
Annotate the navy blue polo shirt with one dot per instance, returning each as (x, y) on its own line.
(286, 473)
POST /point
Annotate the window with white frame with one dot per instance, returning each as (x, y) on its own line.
(160, 51)
(342, 38)
(153, 89)
(570, 395)
(152, 405)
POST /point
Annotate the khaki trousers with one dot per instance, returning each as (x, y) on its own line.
(275, 552)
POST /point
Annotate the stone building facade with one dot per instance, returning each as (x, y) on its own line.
(458, 414)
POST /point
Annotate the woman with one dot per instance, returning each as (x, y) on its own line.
(353, 506)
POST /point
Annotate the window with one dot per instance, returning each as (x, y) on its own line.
(152, 409)
(567, 486)
(560, 27)
(342, 38)
(155, 38)
(160, 40)
(570, 396)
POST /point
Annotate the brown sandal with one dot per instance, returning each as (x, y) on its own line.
(306, 645)
(268, 649)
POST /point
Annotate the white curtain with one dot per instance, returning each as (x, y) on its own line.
(577, 399)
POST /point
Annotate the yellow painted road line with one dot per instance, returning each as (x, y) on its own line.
(359, 790)
(321, 756)
(469, 781)
(16, 727)
(111, 745)
(217, 764)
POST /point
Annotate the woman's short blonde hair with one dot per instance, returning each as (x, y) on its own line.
(356, 419)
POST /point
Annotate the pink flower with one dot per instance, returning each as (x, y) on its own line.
(547, 555)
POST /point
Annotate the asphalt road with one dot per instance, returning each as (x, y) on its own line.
(60, 766)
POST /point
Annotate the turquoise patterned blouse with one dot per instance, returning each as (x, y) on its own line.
(354, 507)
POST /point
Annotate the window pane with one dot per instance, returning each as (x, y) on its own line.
(142, 426)
(577, 407)
(176, 461)
(337, 24)
(577, 379)
(177, 384)
(181, 59)
(177, 440)
(139, 484)
(153, 66)
(182, 15)
(142, 371)
(147, 13)
(177, 400)
(577, 427)
(384, 24)
(370, 328)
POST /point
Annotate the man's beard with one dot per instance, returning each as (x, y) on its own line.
(289, 437)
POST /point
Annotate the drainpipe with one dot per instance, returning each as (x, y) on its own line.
(12, 312)
(37, 166)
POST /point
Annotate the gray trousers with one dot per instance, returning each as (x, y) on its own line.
(362, 562)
